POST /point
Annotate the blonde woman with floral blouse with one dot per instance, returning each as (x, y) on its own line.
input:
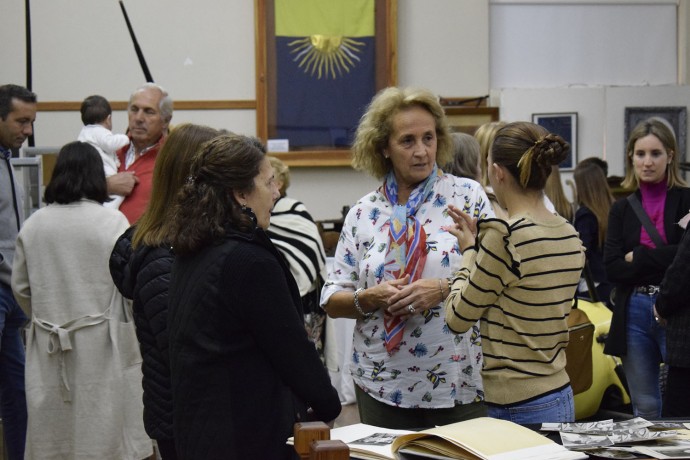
(392, 265)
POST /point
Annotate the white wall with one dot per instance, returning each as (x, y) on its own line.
(601, 114)
(434, 51)
(444, 46)
(542, 44)
(204, 50)
(201, 50)
(618, 98)
(588, 103)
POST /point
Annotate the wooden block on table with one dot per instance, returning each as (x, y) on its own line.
(329, 450)
(307, 432)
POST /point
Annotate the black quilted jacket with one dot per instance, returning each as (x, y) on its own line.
(144, 276)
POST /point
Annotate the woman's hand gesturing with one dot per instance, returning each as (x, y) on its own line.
(465, 228)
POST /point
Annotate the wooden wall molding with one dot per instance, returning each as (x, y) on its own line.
(74, 106)
(314, 158)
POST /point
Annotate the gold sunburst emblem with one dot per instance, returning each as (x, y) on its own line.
(326, 56)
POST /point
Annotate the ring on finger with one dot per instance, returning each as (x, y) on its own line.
(411, 309)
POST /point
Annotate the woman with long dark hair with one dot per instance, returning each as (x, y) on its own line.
(594, 201)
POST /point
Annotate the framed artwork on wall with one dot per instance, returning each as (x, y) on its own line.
(565, 125)
(318, 64)
(675, 116)
(468, 119)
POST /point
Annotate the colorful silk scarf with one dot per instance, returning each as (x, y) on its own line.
(406, 253)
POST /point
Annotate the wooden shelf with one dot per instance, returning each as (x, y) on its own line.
(314, 158)
(74, 106)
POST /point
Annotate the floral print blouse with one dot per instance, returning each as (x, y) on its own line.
(433, 368)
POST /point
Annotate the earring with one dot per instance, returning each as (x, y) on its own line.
(246, 210)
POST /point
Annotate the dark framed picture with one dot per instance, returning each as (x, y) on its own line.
(565, 125)
(675, 116)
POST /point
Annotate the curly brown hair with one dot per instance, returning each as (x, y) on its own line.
(205, 208)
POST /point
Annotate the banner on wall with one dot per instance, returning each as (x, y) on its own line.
(325, 76)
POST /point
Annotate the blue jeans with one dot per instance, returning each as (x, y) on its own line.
(646, 342)
(555, 407)
(12, 396)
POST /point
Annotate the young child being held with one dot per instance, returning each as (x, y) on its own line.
(96, 114)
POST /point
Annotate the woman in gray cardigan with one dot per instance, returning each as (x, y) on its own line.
(83, 366)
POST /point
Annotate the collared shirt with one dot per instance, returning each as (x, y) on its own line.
(131, 154)
(6, 153)
(433, 368)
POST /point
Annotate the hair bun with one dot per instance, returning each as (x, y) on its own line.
(550, 149)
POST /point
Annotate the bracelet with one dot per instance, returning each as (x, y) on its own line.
(440, 288)
(358, 306)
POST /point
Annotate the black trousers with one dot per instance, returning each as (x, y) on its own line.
(677, 397)
(374, 412)
(167, 449)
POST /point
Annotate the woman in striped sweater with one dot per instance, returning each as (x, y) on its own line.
(518, 277)
(296, 236)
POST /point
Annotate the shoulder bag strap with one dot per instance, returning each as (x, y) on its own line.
(587, 275)
(645, 220)
(14, 192)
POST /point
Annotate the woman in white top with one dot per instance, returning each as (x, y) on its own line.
(392, 266)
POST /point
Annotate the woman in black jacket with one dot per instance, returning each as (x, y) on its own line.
(636, 263)
(594, 201)
(242, 367)
(140, 266)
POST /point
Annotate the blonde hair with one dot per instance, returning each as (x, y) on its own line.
(485, 135)
(282, 173)
(661, 130)
(376, 126)
(554, 190)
